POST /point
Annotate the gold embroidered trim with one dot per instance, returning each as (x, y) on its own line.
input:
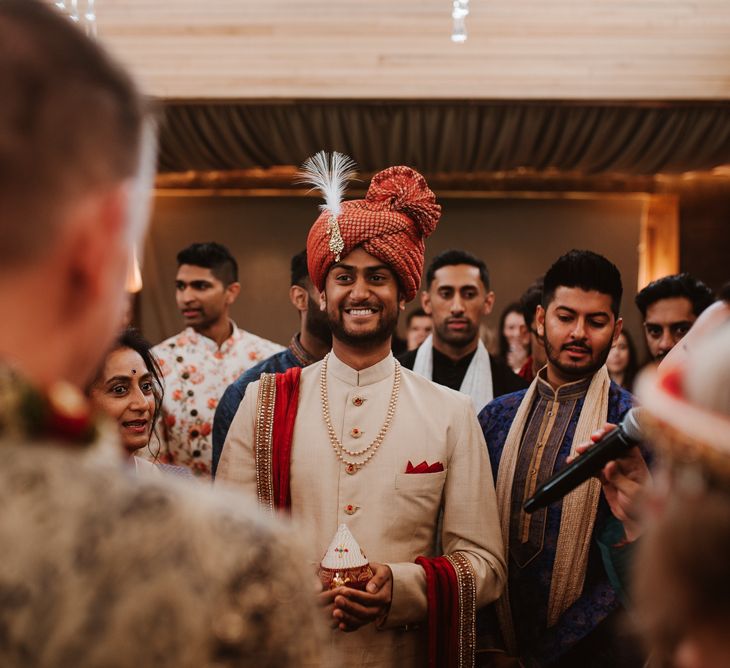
(336, 242)
(263, 440)
(578, 514)
(467, 607)
(579, 509)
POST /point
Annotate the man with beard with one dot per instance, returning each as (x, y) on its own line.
(457, 296)
(559, 608)
(669, 307)
(307, 346)
(200, 362)
(356, 439)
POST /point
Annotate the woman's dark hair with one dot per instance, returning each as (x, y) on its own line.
(632, 368)
(514, 307)
(132, 338)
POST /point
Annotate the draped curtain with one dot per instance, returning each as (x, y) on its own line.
(449, 137)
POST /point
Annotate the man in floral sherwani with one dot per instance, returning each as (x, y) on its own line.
(200, 362)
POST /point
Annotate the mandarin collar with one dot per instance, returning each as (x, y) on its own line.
(301, 354)
(373, 374)
(567, 391)
(195, 338)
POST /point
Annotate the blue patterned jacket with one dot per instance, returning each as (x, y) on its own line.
(233, 396)
(529, 585)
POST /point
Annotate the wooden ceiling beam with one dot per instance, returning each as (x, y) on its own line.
(280, 181)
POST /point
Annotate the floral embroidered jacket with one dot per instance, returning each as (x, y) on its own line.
(196, 373)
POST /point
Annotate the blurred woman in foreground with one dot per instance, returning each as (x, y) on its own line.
(681, 578)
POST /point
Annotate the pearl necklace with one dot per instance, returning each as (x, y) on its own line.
(369, 451)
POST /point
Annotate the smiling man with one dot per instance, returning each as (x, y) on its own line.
(457, 296)
(199, 363)
(560, 608)
(357, 440)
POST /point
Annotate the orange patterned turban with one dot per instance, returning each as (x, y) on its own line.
(391, 223)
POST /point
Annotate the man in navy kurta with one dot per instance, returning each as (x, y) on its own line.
(578, 321)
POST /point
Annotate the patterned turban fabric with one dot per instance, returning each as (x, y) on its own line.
(391, 223)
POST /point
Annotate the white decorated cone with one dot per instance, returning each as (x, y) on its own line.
(344, 552)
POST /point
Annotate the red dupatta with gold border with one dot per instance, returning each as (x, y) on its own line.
(276, 412)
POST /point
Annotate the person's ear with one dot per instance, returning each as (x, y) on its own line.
(96, 246)
(489, 302)
(540, 320)
(299, 297)
(322, 301)
(401, 302)
(426, 302)
(232, 292)
(617, 330)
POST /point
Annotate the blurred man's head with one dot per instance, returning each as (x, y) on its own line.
(457, 297)
(418, 326)
(75, 166)
(669, 306)
(206, 285)
(578, 318)
(305, 298)
(529, 301)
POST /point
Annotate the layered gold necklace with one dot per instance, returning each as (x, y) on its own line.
(363, 456)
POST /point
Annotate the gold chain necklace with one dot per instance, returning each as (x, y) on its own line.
(369, 451)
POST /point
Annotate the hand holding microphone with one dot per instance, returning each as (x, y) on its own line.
(620, 486)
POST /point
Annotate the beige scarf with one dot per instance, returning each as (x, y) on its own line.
(578, 513)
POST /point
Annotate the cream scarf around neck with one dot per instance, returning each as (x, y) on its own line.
(578, 512)
(477, 382)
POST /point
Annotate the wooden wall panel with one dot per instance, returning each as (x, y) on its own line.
(518, 235)
(659, 244)
(401, 49)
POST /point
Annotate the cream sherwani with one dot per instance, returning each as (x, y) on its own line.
(392, 514)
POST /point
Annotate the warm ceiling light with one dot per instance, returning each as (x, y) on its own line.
(87, 19)
(134, 275)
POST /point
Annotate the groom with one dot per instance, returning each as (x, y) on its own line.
(354, 439)
(457, 297)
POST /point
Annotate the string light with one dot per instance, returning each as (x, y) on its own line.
(85, 17)
(459, 13)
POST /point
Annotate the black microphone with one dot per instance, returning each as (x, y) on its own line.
(612, 446)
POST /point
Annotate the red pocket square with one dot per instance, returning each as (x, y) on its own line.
(424, 467)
